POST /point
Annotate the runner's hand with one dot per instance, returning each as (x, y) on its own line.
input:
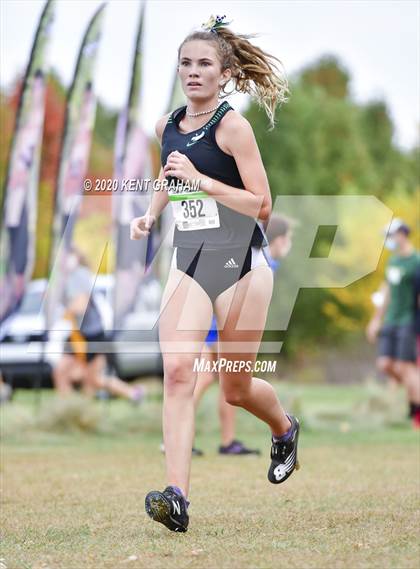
(181, 167)
(140, 226)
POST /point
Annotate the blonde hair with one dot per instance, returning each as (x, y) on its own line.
(254, 71)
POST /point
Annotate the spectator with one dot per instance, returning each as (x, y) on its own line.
(81, 361)
(393, 321)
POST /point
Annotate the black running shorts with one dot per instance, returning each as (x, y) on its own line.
(397, 342)
(217, 270)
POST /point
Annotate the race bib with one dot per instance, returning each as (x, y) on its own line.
(194, 210)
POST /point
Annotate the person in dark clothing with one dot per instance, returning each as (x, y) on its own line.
(218, 265)
(392, 324)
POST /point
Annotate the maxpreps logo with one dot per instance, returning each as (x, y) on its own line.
(203, 365)
(196, 138)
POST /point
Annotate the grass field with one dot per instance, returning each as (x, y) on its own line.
(75, 476)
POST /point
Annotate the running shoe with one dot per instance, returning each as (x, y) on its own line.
(284, 455)
(168, 508)
(237, 448)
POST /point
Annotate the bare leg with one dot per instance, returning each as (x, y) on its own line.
(68, 370)
(387, 366)
(405, 373)
(410, 376)
(227, 415)
(184, 322)
(247, 303)
(204, 379)
(226, 412)
(97, 380)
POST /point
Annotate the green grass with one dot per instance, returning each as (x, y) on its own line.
(75, 477)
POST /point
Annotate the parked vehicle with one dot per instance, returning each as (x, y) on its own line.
(28, 354)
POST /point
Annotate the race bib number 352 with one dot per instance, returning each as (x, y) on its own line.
(194, 210)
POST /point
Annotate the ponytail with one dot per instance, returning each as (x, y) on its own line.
(254, 71)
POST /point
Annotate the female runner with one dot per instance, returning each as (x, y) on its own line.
(218, 265)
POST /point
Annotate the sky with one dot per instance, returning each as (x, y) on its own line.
(378, 42)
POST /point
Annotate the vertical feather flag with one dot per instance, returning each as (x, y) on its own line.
(74, 158)
(19, 205)
(132, 162)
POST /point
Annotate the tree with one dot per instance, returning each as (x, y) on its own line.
(324, 143)
(329, 74)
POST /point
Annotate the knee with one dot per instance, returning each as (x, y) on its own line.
(178, 375)
(400, 369)
(234, 399)
(385, 365)
(235, 395)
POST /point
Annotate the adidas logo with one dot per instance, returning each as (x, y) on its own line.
(231, 264)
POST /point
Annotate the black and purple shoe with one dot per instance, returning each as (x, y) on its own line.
(236, 448)
(283, 454)
(169, 508)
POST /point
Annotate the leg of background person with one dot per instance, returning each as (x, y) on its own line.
(91, 383)
(204, 378)
(62, 374)
(118, 387)
(227, 415)
(248, 302)
(185, 318)
(226, 412)
(96, 379)
(410, 378)
(386, 365)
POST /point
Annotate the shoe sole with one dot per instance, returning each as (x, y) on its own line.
(158, 509)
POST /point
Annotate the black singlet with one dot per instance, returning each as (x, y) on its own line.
(200, 146)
